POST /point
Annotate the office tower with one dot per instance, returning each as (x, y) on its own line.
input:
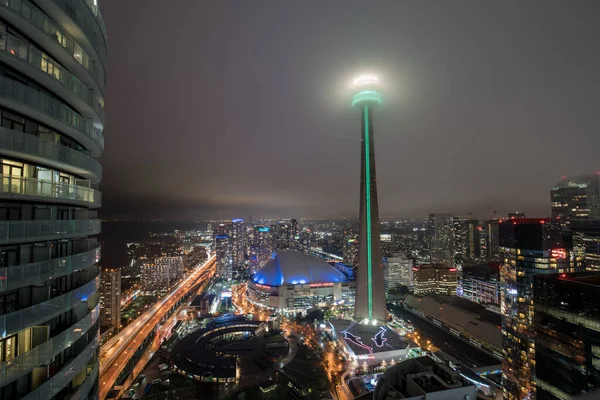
(567, 341)
(52, 68)
(586, 243)
(238, 249)
(223, 257)
(441, 239)
(398, 271)
(110, 298)
(261, 247)
(576, 197)
(281, 234)
(370, 293)
(531, 247)
(434, 278)
(350, 252)
(294, 235)
(460, 233)
(474, 240)
(493, 247)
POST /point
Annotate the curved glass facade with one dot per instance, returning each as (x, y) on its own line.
(52, 76)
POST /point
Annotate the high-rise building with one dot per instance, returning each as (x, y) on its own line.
(52, 70)
(295, 235)
(398, 271)
(261, 248)
(350, 252)
(281, 234)
(160, 273)
(238, 249)
(567, 338)
(531, 247)
(110, 298)
(576, 197)
(223, 257)
(370, 293)
(474, 240)
(434, 278)
(460, 234)
(586, 243)
(441, 239)
(492, 246)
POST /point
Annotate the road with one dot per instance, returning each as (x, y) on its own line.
(115, 354)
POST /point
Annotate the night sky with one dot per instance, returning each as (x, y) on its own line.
(222, 109)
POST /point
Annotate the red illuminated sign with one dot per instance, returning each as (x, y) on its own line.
(263, 286)
(312, 285)
(559, 253)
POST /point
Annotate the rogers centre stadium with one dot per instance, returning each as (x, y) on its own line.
(293, 281)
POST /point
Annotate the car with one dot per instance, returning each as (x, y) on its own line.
(156, 381)
(163, 367)
(131, 392)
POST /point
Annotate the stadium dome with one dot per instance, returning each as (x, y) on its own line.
(295, 268)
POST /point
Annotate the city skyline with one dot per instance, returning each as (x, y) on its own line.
(257, 119)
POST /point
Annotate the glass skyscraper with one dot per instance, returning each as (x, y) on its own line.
(52, 77)
(567, 335)
(531, 247)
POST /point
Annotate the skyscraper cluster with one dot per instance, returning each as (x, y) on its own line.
(242, 249)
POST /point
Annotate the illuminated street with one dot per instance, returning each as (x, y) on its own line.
(115, 354)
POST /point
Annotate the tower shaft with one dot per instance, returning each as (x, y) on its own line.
(370, 294)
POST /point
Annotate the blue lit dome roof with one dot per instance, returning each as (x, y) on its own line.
(294, 268)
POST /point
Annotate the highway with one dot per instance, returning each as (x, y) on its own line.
(115, 354)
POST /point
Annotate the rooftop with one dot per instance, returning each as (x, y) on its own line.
(365, 339)
(585, 278)
(416, 377)
(580, 181)
(462, 315)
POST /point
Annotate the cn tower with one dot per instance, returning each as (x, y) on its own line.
(370, 293)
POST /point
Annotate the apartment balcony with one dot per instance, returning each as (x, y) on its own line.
(32, 148)
(45, 352)
(52, 112)
(39, 189)
(37, 273)
(42, 312)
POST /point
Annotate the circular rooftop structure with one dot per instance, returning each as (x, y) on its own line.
(296, 268)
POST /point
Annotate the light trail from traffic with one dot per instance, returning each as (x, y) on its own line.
(115, 354)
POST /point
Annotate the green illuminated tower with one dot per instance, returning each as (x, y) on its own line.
(370, 293)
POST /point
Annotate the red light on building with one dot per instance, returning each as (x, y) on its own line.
(415, 269)
(480, 228)
(315, 285)
(563, 275)
(559, 253)
(452, 270)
